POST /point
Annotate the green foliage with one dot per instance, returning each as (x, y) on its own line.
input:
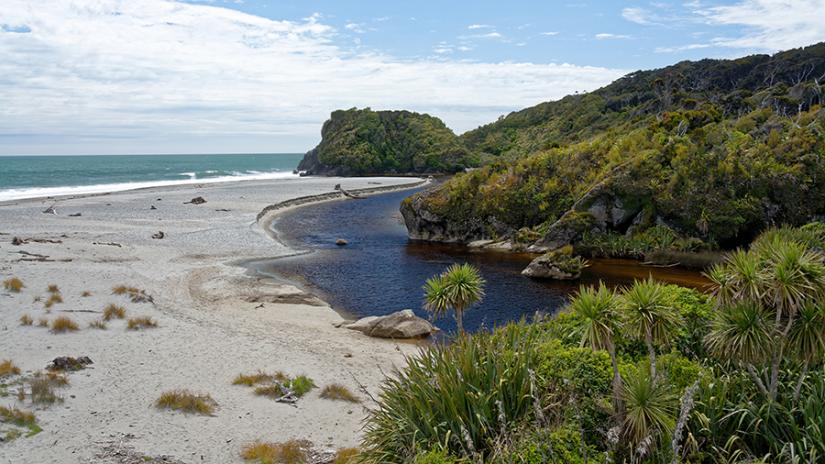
(651, 409)
(457, 289)
(460, 397)
(436, 457)
(561, 445)
(362, 142)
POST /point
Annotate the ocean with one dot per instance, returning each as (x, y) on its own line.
(38, 176)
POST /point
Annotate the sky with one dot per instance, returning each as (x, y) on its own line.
(261, 76)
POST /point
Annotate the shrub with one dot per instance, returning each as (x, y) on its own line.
(112, 311)
(98, 325)
(42, 322)
(52, 288)
(8, 368)
(186, 401)
(339, 392)
(13, 284)
(561, 445)
(290, 452)
(64, 324)
(18, 417)
(299, 386)
(137, 323)
(26, 320)
(437, 457)
(42, 387)
(467, 391)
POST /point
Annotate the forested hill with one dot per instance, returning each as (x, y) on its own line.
(699, 154)
(363, 142)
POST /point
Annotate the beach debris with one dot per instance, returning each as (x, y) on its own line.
(152, 207)
(341, 242)
(159, 235)
(17, 241)
(400, 324)
(108, 244)
(68, 363)
(75, 215)
(195, 201)
(50, 210)
(223, 210)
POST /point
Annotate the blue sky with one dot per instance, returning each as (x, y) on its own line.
(164, 76)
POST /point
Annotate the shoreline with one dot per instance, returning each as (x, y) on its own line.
(215, 321)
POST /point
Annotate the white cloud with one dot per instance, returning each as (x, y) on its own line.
(607, 36)
(355, 27)
(156, 75)
(638, 16)
(478, 26)
(770, 24)
(492, 35)
(549, 33)
(681, 48)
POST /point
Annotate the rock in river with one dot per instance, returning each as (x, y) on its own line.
(401, 324)
(559, 264)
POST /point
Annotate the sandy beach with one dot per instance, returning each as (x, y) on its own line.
(215, 321)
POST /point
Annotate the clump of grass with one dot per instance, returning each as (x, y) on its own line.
(98, 325)
(64, 324)
(289, 452)
(338, 392)
(42, 387)
(42, 322)
(18, 417)
(186, 401)
(8, 368)
(137, 323)
(346, 456)
(259, 377)
(13, 285)
(86, 293)
(52, 288)
(53, 299)
(113, 311)
(299, 386)
(136, 295)
(26, 320)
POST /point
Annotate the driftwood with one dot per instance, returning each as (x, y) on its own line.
(108, 244)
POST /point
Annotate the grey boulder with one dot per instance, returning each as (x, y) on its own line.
(401, 324)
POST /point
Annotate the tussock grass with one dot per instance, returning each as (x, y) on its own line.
(26, 320)
(42, 387)
(13, 285)
(136, 295)
(301, 385)
(137, 323)
(98, 325)
(54, 298)
(113, 311)
(338, 392)
(8, 368)
(259, 377)
(42, 322)
(346, 456)
(186, 401)
(86, 293)
(18, 417)
(52, 288)
(289, 452)
(64, 324)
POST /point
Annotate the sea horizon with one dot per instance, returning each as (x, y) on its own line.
(36, 176)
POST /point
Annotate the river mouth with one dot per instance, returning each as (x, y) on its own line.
(380, 270)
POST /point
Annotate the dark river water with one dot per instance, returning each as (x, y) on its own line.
(381, 270)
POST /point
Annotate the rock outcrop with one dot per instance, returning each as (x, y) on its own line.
(401, 324)
(559, 265)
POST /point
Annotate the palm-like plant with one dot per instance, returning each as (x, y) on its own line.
(806, 339)
(598, 309)
(649, 316)
(778, 278)
(651, 408)
(457, 289)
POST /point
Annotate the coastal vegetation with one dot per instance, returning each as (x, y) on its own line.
(696, 156)
(289, 452)
(338, 392)
(649, 373)
(113, 311)
(187, 401)
(8, 368)
(364, 142)
(64, 324)
(13, 284)
(134, 294)
(26, 320)
(139, 323)
(456, 289)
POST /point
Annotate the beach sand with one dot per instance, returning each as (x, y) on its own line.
(215, 321)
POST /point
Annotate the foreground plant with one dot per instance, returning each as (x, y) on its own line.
(135, 295)
(138, 323)
(649, 316)
(460, 396)
(186, 401)
(19, 418)
(7, 368)
(113, 311)
(338, 392)
(64, 324)
(651, 410)
(457, 289)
